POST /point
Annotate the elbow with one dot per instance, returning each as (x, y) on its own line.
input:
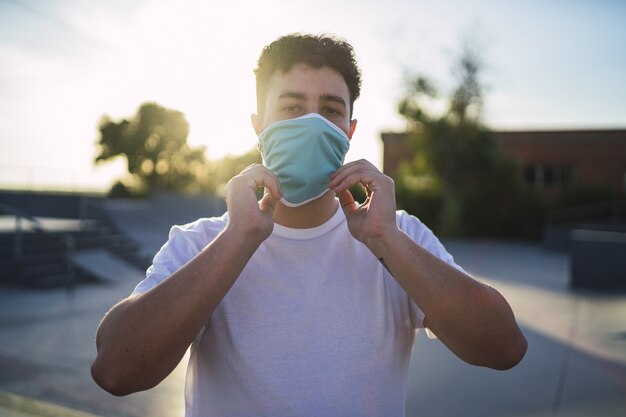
(512, 354)
(108, 380)
(120, 380)
(513, 345)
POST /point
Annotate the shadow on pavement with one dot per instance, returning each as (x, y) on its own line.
(553, 379)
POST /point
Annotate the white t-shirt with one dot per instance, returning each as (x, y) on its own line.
(313, 326)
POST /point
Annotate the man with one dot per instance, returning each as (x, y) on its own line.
(302, 303)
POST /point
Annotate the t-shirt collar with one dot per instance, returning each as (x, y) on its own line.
(313, 232)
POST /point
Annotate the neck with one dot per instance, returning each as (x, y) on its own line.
(312, 214)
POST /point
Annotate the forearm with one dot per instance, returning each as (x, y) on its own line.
(472, 319)
(142, 339)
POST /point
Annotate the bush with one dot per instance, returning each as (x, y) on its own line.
(425, 203)
(121, 190)
(578, 195)
(520, 213)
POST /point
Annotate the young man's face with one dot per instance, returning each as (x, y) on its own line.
(303, 90)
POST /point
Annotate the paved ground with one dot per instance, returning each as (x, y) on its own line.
(47, 346)
(575, 366)
(576, 360)
(13, 405)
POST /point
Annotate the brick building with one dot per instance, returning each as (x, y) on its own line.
(547, 159)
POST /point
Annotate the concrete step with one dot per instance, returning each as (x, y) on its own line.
(103, 265)
(33, 271)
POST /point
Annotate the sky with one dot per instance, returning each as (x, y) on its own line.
(63, 65)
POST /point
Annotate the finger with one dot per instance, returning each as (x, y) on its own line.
(347, 202)
(366, 179)
(360, 164)
(366, 169)
(256, 176)
(268, 203)
(271, 184)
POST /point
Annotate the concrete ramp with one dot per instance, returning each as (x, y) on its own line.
(103, 265)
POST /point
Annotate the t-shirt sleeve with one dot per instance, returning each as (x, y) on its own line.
(424, 237)
(183, 244)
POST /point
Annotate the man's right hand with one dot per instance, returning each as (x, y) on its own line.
(245, 213)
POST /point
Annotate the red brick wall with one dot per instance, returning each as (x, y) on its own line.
(595, 157)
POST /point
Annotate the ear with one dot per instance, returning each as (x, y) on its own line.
(256, 123)
(352, 128)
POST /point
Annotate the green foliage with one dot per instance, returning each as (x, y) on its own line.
(459, 183)
(467, 99)
(422, 200)
(154, 143)
(358, 192)
(119, 190)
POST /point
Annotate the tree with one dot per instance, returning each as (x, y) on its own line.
(154, 143)
(466, 185)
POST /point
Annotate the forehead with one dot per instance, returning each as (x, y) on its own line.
(309, 81)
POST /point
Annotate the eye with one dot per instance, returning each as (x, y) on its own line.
(332, 111)
(292, 108)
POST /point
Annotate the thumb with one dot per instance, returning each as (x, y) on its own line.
(347, 202)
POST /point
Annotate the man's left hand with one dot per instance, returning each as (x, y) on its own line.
(376, 217)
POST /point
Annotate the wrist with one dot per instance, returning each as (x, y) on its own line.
(246, 234)
(380, 244)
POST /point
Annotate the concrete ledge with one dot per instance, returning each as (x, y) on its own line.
(13, 405)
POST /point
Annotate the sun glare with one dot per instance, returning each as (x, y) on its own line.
(199, 65)
(198, 60)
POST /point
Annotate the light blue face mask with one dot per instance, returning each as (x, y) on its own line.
(303, 153)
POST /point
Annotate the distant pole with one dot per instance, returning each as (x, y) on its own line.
(17, 249)
(69, 246)
(83, 208)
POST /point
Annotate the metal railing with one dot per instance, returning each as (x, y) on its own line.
(89, 210)
(37, 227)
(613, 210)
(19, 216)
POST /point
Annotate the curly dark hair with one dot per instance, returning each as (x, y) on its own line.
(314, 50)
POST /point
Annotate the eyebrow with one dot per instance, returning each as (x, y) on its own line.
(292, 94)
(323, 97)
(334, 99)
